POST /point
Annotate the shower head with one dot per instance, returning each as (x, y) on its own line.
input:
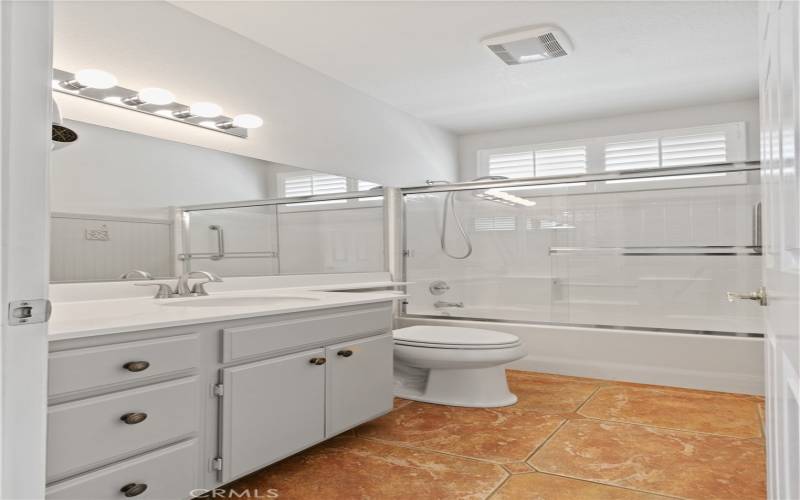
(61, 135)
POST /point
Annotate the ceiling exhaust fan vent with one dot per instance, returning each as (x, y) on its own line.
(529, 45)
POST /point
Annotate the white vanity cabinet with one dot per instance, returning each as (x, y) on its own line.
(159, 414)
(271, 409)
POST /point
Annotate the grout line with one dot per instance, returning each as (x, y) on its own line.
(595, 391)
(664, 495)
(502, 483)
(547, 440)
(687, 431)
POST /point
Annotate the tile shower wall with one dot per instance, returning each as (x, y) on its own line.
(516, 271)
(86, 248)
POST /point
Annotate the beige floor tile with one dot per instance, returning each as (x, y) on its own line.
(678, 463)
(550, 393)
(499, 435)
(352, 468)
(537, 486)
(698, 411)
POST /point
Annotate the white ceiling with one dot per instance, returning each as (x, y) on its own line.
(426, 57)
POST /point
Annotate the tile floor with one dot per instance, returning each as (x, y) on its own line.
(566, 439)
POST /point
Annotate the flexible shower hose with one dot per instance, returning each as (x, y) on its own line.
(450, 206)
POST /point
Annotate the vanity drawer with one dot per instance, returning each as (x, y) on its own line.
(169, 473)
(91, 432)
(303, 331)
(80, 369)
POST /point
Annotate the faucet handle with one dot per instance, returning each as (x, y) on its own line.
(164, 290)
(199, 289)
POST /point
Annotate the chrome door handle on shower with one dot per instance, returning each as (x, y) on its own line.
(220, 241)
(760, 295)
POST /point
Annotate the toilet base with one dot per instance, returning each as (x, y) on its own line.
(473, 388)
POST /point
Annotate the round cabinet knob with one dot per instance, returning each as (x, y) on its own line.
(136, 366)
(133, 418)
(317, 361)
(133, 489)
(346, 353)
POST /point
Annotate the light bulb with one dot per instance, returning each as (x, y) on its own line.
(205, 109)
(247, 121)
(96, 78)
(155, 95)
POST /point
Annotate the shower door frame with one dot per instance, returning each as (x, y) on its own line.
(401, 270)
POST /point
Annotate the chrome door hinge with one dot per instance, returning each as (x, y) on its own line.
(219, 390)
(23, 312)
(216, 463)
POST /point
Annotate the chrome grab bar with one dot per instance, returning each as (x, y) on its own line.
(229, 255)
(666, 250)
(220, 241)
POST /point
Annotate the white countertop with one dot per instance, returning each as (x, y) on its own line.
(101, 317)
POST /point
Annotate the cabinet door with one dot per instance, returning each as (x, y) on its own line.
(359, 382)
(271, 409)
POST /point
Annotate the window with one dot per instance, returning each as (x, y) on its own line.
(667, 151)
(512, 165)
(538, 162)
(500, 223)
(693, 149)
(562, 161)
(656, 149)
(631, 155)
(307, 185)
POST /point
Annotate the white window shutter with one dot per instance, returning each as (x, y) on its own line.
(307, 185)
(631, 155)
(561, 161)
(500, 223)
(300, 185)
(512, 165)
(329, 184)
(693, 149)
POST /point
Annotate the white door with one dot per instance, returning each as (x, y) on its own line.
(25, 129)
(779, 89)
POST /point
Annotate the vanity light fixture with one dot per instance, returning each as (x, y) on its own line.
(205, 109)
(151, 95)
(101, 86)
(93, 79)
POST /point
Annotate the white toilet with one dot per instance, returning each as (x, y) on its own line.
(454, 366)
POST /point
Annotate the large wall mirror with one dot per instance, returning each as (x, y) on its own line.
(125, 204)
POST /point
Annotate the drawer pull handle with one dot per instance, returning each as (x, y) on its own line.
(136, 366)
(317, 361)
(345, 353)
(133, 489)
(133, 418)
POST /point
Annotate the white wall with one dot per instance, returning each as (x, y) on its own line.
(312, 121)
(111, 172)
(746, 111)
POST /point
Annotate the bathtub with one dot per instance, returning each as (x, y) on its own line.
(727, 363)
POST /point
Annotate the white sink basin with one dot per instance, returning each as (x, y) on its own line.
(274, 300)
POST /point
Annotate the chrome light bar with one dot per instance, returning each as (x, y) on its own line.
(121, 97)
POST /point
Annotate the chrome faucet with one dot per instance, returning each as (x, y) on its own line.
(440, 304)
(182, 289)
(136, 273)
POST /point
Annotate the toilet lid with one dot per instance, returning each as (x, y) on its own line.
(440, 336)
